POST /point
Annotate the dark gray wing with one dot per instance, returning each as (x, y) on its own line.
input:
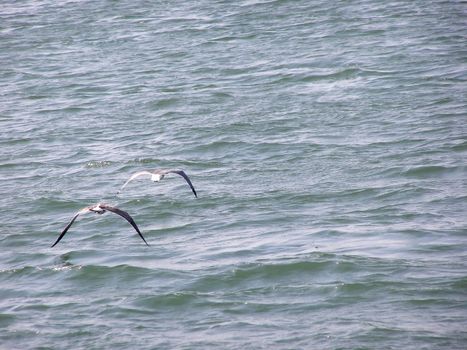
(182, 174)
(82, 211)
(126, 216)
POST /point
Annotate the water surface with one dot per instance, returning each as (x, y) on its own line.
(327, 143)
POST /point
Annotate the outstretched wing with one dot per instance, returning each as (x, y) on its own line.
(126, 216)
(134, 176)
(182, 174)
(82, 211)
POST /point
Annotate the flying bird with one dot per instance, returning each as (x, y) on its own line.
(101, 209)
(158, 174)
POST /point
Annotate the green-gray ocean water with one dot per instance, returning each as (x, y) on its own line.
(327, 141)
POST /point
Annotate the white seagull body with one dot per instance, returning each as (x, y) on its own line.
(158, 174)
(101, 209)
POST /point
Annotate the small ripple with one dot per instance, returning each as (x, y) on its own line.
(6, 319)
(168, 300)
(121, 273)
(462, 146)
(163, 103)
(315, 267)
(432, 171)
(99, 164)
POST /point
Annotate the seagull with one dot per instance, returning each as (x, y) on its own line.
(158, 174)
(101, 209)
